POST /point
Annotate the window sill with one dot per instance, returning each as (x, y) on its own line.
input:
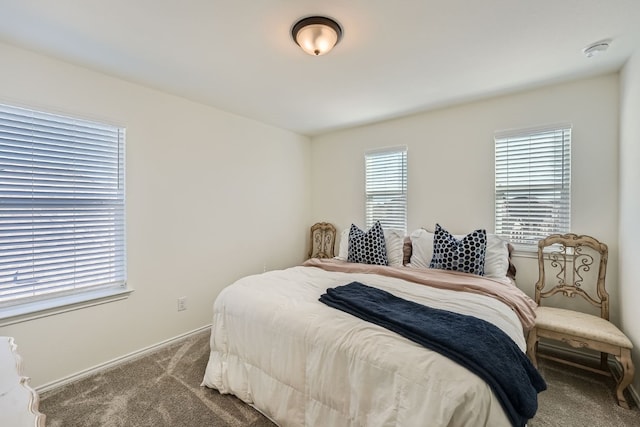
(525, 252)
(49, 307)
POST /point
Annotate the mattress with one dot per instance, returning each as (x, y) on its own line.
(302, 363)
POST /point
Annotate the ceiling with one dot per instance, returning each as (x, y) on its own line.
(396, 57)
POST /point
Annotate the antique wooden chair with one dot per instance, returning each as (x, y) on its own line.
(323, 238)
(565, 264)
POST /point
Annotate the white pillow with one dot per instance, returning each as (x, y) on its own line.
(496, 259)
(343, 249)
(421, 248)
(393, 240)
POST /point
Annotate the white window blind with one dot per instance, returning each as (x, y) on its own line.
(61, 206)
(533, 183)
(386, 188)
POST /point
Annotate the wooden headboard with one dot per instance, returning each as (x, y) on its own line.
(511, 272)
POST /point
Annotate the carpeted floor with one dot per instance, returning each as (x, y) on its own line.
(163, 389)
(575, 397)
(160, 389)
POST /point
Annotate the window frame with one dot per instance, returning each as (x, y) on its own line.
(53, 178)
(536, 169)
(398, 208)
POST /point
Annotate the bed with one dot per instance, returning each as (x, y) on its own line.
(301, 362)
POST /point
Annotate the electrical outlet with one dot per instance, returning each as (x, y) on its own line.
(182, 303)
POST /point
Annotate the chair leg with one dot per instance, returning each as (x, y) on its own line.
(627, 376)
(532, 346)
(604, 362)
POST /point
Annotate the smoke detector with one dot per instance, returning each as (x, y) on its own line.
(596, 48)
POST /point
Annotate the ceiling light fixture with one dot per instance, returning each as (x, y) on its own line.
(596, 48)
(316, 35)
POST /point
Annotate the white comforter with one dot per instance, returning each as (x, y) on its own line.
(302, 363)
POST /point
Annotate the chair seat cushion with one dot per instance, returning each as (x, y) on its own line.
(580, 325)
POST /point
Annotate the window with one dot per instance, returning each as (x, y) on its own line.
(533, 183)
(61, 207)
(386, 188)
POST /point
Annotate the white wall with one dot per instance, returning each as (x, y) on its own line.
(210, 197)
(630, 205)
(451, 164)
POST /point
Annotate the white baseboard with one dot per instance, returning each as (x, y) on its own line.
(118, 360)
(596, 359)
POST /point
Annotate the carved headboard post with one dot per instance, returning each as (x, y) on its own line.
(323, 238)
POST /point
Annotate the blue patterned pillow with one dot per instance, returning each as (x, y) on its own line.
(466, 255)
(367, 247)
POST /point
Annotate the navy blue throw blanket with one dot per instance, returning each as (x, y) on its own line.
(476, 344)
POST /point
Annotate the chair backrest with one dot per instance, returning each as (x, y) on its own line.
(573, 257)
(323, 237)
